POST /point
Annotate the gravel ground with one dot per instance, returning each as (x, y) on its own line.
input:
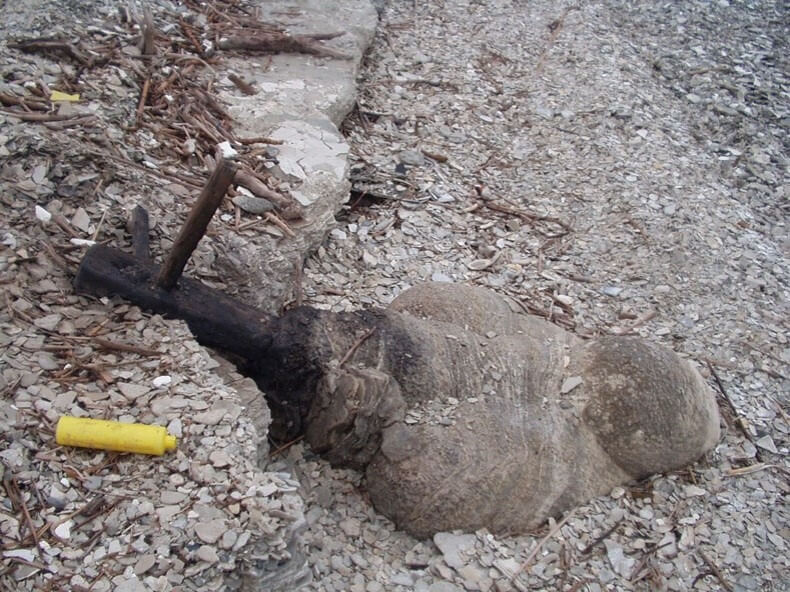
(618, 167)
(205, 516)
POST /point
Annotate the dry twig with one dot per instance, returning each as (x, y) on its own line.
(143, 99)
(258, 140)
(277, 221)
(18, 501)
(27, 103)
(539, 546)
(125, 347)
(739, 421)
(355, 346)
(242, 85)
(148, 42)
(41, 117)
(57, 45)
(284, 447)
(435, 156)
(289, 208)
(602, 537)
(715, 571)
(196, 223)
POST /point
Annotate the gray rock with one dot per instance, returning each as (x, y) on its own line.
(412, 158)
(253, 205)
(454, 547)
(144, 563)
(444, 587)
(211, 531)
(207, 553)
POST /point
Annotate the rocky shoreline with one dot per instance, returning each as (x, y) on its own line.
(617, 167)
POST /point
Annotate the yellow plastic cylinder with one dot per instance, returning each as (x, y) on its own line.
(113, 435)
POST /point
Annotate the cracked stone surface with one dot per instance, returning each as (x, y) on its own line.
(302, 101)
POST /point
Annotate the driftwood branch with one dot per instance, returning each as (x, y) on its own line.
(58, 45)
(278, 42)
(195, 226)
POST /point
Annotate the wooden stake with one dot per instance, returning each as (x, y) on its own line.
(139, 229)
(195, 226)
(148, 44)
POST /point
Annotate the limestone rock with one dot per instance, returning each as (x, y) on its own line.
(458, 430)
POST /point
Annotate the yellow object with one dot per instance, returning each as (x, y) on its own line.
(113, 435)
(61, 96)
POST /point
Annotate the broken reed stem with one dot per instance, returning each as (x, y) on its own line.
(739, 423)
(715, 571)
(196, 223)
(143, 98)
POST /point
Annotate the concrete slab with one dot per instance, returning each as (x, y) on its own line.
(302, 85)
(301, 100)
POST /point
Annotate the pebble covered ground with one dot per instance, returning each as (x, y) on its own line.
(204, 517)
(618, 167)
